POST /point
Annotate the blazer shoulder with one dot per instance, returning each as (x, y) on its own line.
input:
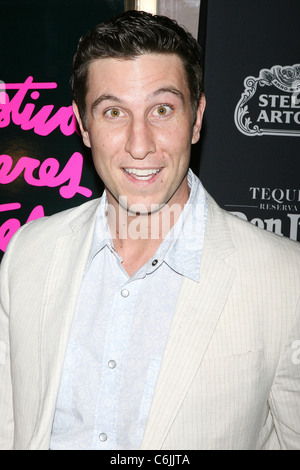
(242, 228)
(247, 237)
(43, 232)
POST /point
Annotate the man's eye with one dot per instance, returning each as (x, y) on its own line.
(162, 110)
(114, 113)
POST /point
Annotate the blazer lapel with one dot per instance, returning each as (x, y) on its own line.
(63, 283)
(197, 313)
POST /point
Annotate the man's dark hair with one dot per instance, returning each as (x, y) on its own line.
(130, 35)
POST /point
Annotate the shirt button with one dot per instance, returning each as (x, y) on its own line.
(112, 364)
(154, 262)
(103, 437)
(124, 292)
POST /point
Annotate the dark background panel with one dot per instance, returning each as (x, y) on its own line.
(241, 39)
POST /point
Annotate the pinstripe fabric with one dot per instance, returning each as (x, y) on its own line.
(233, 376)
(230, 375)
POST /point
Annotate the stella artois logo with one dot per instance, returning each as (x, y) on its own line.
(270, 103)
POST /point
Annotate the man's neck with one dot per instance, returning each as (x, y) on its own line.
(136, 237)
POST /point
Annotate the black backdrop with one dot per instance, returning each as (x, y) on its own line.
(248, 163)
(252, 166)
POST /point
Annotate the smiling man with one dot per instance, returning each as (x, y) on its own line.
(140, 126)
(150, 318)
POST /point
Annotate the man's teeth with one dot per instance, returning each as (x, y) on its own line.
(143, 174)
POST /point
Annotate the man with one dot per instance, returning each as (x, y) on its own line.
(151, 319)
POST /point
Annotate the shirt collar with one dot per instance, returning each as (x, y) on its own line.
(101, 236)
(181, 249)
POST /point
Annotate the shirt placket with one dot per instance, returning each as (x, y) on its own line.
(113, 367)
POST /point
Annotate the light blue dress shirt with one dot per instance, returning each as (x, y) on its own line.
(119, 332)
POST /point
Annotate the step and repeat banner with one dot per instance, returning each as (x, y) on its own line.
(250, 148)
(44, 167)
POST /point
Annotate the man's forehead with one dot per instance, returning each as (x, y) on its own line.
(157, 72)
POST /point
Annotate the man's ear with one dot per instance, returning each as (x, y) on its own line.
(84, 132)
(199, 120)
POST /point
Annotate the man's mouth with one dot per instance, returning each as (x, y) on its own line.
(142, 174)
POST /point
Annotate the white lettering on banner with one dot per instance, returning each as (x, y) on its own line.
(283, 200)
(281, 117)
(281, 111)
(277, 194)
(281, 101)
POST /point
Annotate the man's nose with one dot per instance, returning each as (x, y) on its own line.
(140, 141)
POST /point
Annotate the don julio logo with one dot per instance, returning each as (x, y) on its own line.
(270, 103)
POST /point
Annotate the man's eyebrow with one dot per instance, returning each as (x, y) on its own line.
(154, 94)
(163, 90)
(105, 98)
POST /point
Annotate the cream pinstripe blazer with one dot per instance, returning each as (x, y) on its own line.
(230, 376)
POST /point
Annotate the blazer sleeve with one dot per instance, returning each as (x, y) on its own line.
(6, 406)
(285, 393)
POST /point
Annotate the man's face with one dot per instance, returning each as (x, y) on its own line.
(139, 127)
